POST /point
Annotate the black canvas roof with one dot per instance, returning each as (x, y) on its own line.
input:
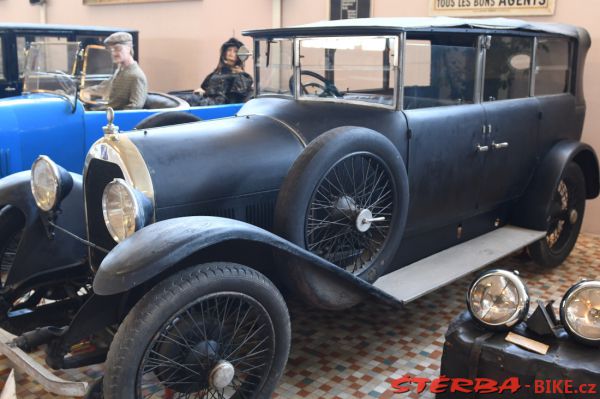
(390, 25)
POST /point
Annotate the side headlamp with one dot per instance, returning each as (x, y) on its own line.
(50, 183)
(580, 312)
(498, 299)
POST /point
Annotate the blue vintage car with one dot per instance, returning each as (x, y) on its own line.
(52, 118)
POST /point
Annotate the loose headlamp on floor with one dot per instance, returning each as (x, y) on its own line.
(580, 312)
(498, 299)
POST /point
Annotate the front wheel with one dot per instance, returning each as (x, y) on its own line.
(218, 330)
(564, 219)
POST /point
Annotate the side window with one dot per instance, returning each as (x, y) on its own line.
(438, 73)
(507, 68)
(552, 70)
(23, 43)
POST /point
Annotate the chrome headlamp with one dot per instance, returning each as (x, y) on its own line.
(125, 209)
(580, 312)
(50, 183)
(498, 299)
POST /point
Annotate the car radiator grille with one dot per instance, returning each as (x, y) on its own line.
(99, 174)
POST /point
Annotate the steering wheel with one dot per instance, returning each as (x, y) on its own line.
(328, 89)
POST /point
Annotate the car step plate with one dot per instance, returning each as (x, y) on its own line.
(25, 363)
(435, 271)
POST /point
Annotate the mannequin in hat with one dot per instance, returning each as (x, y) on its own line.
(128, 87)
(228, 83)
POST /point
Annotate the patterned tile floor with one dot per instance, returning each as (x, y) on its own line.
(356, 353)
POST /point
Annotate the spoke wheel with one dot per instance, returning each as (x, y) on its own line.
(345, 199)
(213, 331)
(564, 219)
(216, 347)
(350, 212)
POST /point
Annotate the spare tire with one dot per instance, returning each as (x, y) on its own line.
(166, 119)
(346, 200)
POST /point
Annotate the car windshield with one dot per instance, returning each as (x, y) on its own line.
(353, 69)
(50, 68)
(274, 66)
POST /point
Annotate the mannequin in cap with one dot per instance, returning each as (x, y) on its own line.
(128, 87)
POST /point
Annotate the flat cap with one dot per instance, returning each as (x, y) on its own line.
(118, 38)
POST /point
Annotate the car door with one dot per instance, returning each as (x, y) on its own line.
(512, 119)
(446, 127)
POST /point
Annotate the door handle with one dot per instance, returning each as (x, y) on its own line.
(499, 146)
(482, 148)
(9, 89)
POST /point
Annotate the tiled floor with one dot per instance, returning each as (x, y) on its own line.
(356, 353)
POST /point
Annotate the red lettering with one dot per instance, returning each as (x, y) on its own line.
(591, 388)
(538, 386)
(439, 385)
(463, 385)
(421, 383)
(557, 386)
(511, 385)
(398, 382)
(569, 386)
(485, 385)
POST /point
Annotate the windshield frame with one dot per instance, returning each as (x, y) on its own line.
(396, 67)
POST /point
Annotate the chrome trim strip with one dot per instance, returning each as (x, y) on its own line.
(533, 73)
(400, 65)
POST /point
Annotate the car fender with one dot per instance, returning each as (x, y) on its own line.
(533, 208)
(38, 254)
(156, 248)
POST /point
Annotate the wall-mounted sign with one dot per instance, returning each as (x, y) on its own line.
(348, 9)
(470, 8)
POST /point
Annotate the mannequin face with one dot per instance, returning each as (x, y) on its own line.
(120, 53)
(231, 55)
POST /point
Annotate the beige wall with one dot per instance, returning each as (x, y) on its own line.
(179, 41)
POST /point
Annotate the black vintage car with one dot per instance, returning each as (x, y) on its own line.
(15, 40)
(381, 158)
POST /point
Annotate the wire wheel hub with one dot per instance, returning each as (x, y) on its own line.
(222, 375)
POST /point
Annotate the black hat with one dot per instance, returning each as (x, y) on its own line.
(233, 42)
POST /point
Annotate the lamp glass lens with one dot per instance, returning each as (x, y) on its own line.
(119, 211)
(582, 311)
(494, 299)
(44, 184)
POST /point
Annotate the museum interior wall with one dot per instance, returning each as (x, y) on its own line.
(179, 41)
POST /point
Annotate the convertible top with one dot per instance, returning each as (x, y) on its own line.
(390, 25)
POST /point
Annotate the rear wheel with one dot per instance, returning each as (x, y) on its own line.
(218, 330)
(564, 219)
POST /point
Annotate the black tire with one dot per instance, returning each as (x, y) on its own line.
(309, 218)
(166, 119)
(171, 319)
(12, 223)
(564, 219)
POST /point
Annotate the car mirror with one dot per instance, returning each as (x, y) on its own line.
(244, 53)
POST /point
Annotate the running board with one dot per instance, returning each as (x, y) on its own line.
(25, 363)
(427, 275)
